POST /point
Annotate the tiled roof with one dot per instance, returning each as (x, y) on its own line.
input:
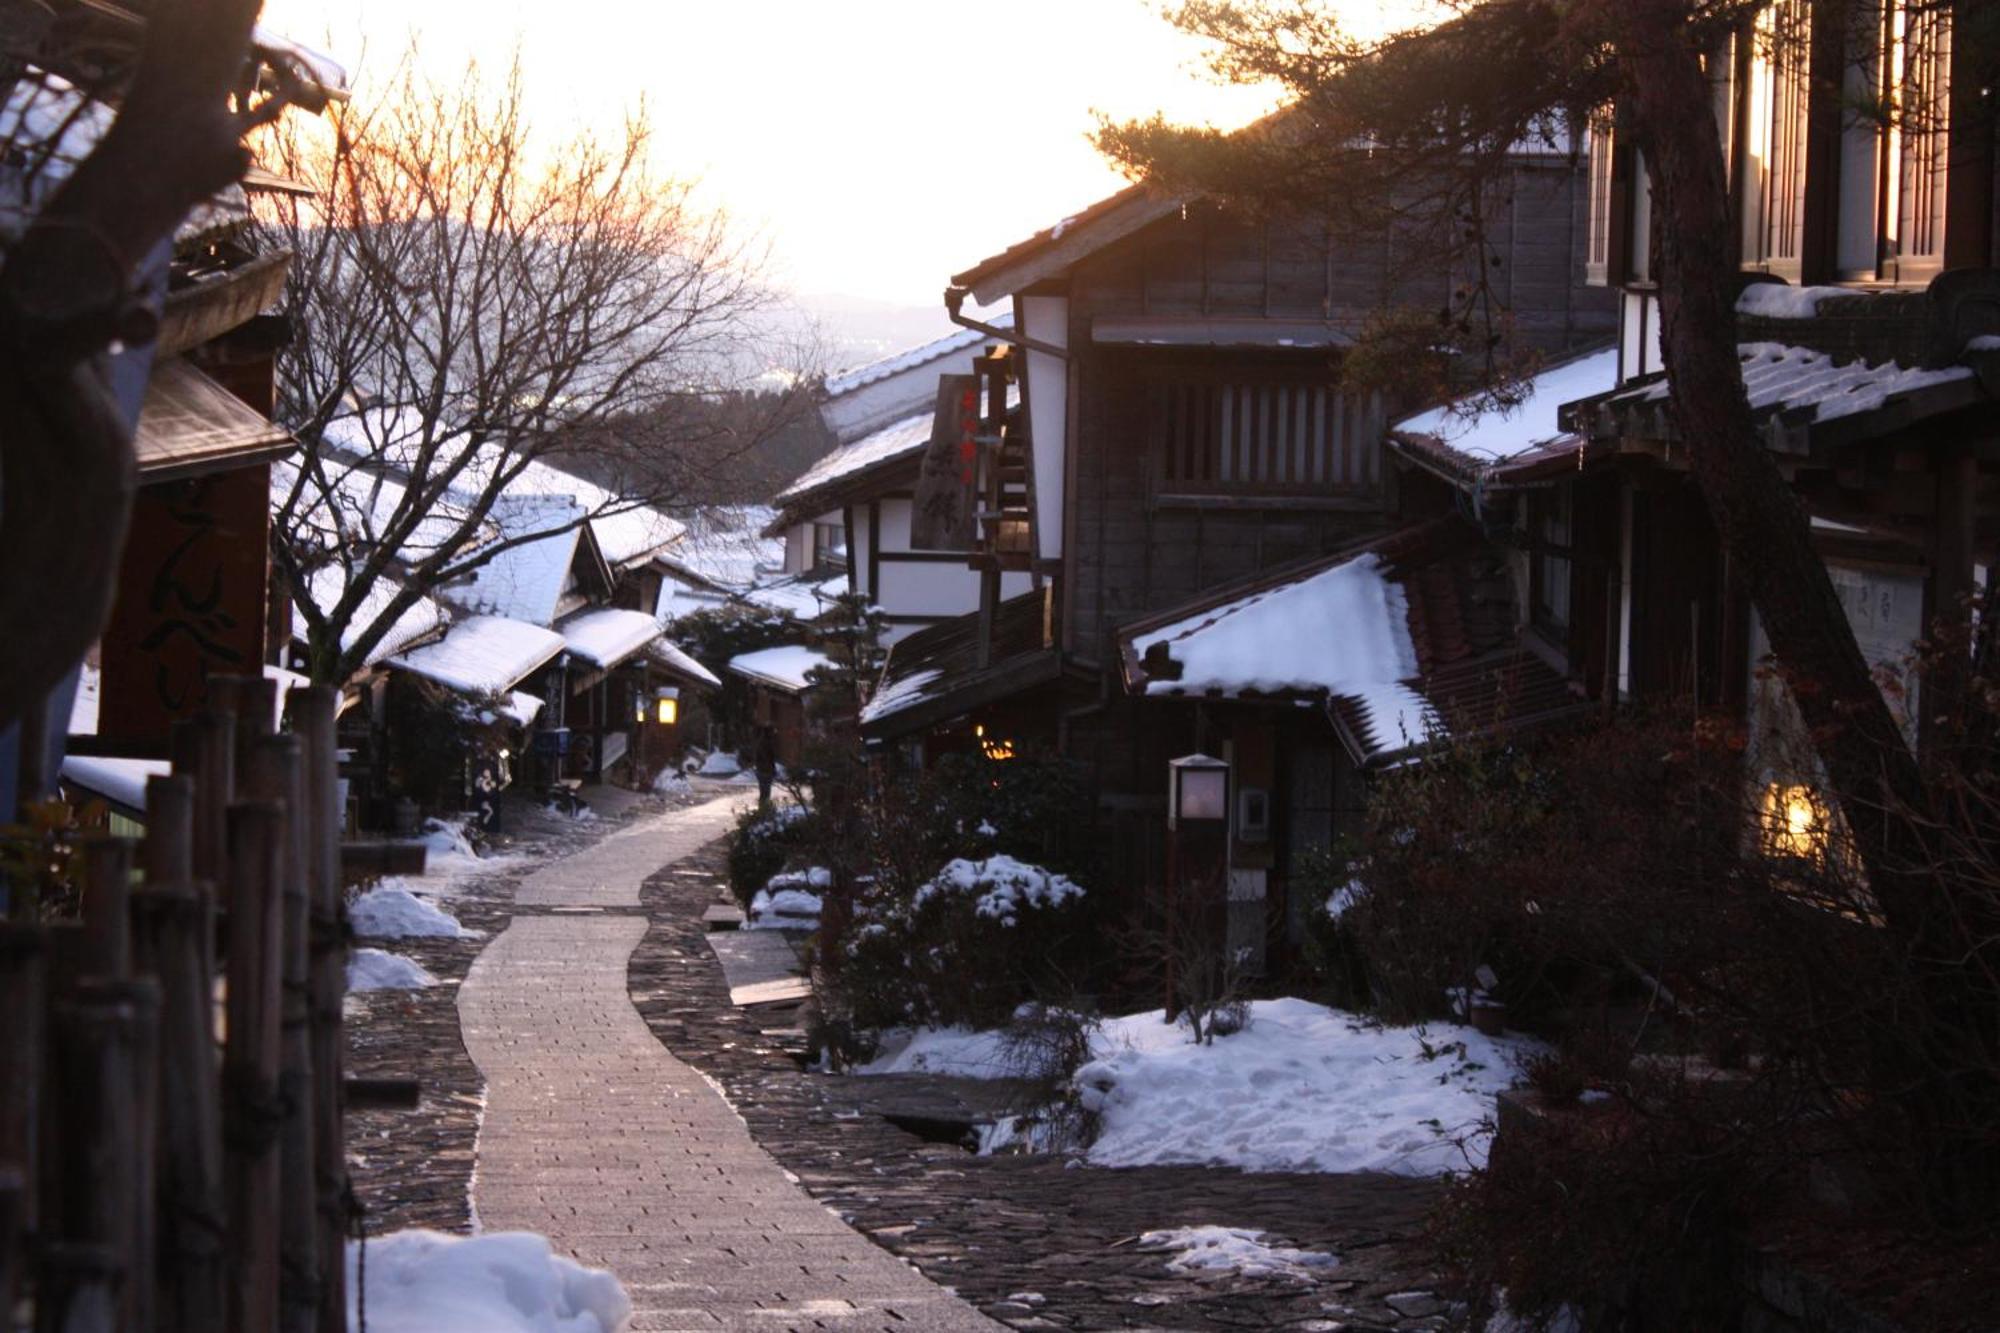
(847, 381)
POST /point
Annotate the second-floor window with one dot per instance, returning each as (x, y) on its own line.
(1776, 97)
(1260, 433)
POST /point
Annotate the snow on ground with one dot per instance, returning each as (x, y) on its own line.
(1301, 1088)
(500, 1282)
(378, 969)
(449, 853)
(789, 901)
(1240, 1251)
(669, 783)
(390, 911)
(960, 1052)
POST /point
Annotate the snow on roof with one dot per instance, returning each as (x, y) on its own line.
(784, 667)
(1790, 379)
(605, 636)
(897, 440)
(674, 658)
(526, 581)
(724, 545)
(483, 654)
(1344, 631)
(849, 380)
(324, 588)
(900, 693)
(521, 708)
(1780, 300)
(328, 74)
(1496, 436)
(119, 781)
(801, 596)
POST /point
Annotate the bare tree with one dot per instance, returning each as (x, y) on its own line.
(470, 303)
(74, 283)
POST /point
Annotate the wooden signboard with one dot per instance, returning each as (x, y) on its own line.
(942, 518)
(190, 605)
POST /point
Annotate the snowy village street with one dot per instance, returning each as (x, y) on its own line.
(602, 1042)
(626, 1158)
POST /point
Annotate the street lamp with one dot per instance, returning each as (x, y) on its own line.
(1197, 811)
(1197, 790)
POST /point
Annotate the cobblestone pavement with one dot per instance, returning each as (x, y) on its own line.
(627, 1158)
(412, 1166)
(1035, 1241)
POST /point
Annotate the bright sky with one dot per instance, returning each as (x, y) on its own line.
(879, 145)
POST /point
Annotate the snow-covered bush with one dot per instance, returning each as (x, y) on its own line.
(765, 843)
(968, 946)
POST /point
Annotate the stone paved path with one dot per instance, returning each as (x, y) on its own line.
(628, 1159)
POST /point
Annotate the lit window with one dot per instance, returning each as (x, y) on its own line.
(992, 746)
(1796, 823)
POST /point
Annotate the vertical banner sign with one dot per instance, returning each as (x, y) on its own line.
(190, 600)
(942, 516)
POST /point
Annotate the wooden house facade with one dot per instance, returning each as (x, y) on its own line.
(1193, 452)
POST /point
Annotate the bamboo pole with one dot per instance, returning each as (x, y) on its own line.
(172, 921)
(274, 775)
(107, 904)
(315, 712)
(22, 978)
(169, 848)
(100, 1040)
(250, 1062)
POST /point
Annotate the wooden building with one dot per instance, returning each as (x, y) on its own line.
(1183, 449)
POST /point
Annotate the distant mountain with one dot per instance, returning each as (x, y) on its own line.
(854, 330)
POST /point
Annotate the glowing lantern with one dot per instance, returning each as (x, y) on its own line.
(1197, 790)
(1795, 822)
(667, 705)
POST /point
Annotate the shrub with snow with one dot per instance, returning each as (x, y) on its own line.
(790, 901)
(969, 944)
(501, 1282)
(390, 911)
(1001, 887)
(669, 783)
(764, 843)
(378, 969)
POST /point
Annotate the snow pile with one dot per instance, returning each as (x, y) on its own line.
(1004, 886)
(390, 911)
(1344, 630)
(719, 764)
(501, 1282)
(1301, 1088)
(789, 901)
(378, 969)
(670, 783)
(1240, 1251)
(958, 1052)
(447, 849)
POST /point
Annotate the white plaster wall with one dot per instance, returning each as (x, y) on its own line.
(1046, 318)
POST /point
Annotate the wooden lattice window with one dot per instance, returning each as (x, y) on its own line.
(1776, 119)
(1254, 434)
(1923, 123)
(1597, 264)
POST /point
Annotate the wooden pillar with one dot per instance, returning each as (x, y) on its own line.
(250, 1062)
(315, 717)
(172, 926)
(273, 774)
(107, 904)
